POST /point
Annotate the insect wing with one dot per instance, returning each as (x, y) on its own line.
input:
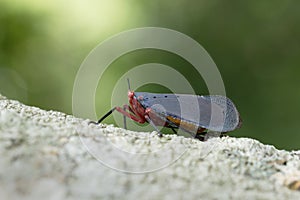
(213, 112)
(230, 116)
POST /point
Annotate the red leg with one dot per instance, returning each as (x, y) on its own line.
(127, 107)
(134, 118)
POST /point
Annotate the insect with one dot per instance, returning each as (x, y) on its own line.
(191, 113)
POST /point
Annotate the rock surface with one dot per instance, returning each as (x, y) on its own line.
(51, 155)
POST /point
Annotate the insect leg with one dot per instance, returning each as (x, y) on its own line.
(152, 124)
(102, 118)
(201, 134)
(175, 132)
(129, 115)
(122, 111)
(172, 128)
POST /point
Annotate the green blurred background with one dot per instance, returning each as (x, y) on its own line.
(255, 44)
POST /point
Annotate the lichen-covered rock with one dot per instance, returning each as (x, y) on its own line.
(51, 155)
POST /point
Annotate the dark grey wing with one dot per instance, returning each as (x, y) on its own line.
(214, 112)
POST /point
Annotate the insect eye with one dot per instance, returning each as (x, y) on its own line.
(166, 96)
(154, 97)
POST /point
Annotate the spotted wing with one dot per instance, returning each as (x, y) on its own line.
(213, 112)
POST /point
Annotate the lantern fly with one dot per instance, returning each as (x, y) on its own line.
(194, 114)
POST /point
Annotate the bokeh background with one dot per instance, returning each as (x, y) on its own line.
(255, 44)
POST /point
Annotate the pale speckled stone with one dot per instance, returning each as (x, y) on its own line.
(44, 156)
